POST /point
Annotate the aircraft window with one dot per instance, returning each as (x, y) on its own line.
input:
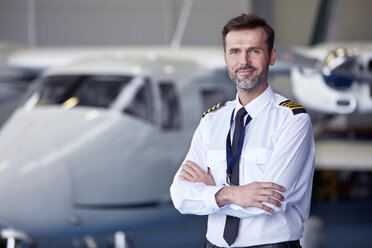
(212, 97)
(170, 115)
(140, 106)
(97, 91)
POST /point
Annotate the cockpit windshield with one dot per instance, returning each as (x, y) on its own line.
(83, 90)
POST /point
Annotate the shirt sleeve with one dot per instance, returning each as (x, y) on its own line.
(292, 166)
(190, 197)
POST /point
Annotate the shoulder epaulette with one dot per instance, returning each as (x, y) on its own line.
(295, 107)
(217, 106)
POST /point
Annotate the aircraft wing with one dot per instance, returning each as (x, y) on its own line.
(287, 58)
(344, 154)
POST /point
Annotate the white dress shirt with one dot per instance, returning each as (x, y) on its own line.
(278, 147)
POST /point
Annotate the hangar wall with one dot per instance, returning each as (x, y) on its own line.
(147, 22)
(115, 22)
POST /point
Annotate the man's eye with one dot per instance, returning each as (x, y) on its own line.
(255, 51)
(234, 52)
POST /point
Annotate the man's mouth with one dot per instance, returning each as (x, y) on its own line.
(246, 70)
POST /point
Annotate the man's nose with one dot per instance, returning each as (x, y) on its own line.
(245, 58)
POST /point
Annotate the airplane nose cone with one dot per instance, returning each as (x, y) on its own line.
(35, 202)
(35, 181)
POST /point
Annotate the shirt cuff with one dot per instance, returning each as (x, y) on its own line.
(211, 197)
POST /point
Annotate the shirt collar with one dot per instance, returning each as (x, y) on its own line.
(256, 105)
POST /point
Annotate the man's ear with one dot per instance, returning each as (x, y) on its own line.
(273, 56)
(224, 56)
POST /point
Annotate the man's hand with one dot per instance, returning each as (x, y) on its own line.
(251, 195)
(193, 173)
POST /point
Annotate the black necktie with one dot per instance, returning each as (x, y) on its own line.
(232, 223)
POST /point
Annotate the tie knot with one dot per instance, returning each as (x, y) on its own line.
(241, 113)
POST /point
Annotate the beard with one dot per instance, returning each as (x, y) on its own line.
(247, 84)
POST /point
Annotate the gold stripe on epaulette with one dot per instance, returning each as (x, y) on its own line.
(217, 106)
(292, 108)
(289, 104)
(295, 107)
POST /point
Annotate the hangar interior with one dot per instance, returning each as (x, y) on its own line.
(342, 198)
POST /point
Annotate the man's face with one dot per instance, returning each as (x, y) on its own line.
(247, 58)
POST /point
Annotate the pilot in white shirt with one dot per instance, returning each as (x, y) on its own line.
(276, 164)
(278, 148)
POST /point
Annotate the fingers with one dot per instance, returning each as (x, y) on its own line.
(269, 200)
(191, 172)
(272, 193)
(270, 189)
(269, 194)
(264, 207)
(266, 199)
(191, 166)
(186, 176)
(259, 194)
(270, 185)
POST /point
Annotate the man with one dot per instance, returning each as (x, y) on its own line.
(251, 161)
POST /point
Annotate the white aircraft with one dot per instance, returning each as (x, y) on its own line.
(343, 84)
(330, 78)
(95, 145)
(333, 78)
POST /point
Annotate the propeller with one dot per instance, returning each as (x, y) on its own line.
(339, 69)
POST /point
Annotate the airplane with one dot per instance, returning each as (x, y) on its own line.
(332, 77)
(84, 133)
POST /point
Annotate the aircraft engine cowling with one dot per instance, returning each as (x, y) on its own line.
(339, 83)
(340, 68)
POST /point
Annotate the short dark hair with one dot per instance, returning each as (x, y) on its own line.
(250, 21)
